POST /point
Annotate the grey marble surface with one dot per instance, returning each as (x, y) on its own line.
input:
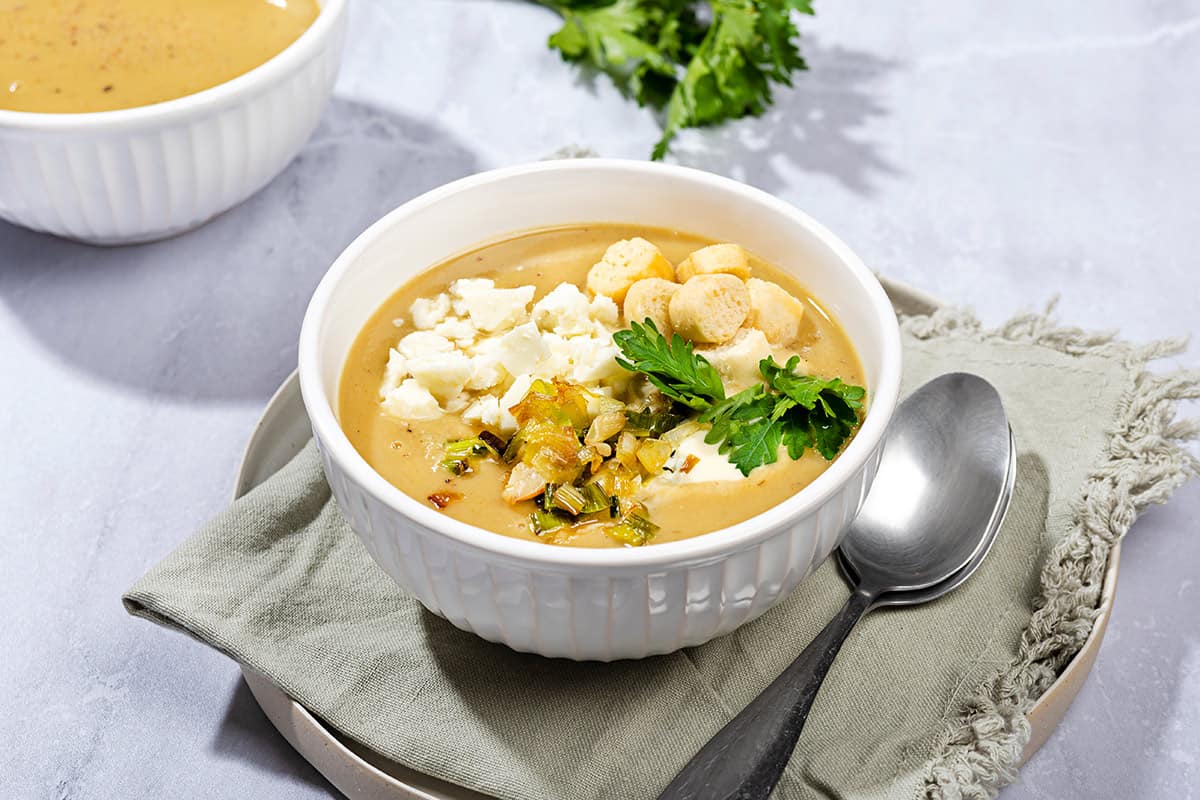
(997, 154)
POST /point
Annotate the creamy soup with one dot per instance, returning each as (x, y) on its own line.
(685, 496)
(65, 56)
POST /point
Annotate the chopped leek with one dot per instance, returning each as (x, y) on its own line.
(542, 522)
(569, 499)
(595, 500)
(545, 500)
(459, 452)
(633, 529)
(651, 423)
(493, 442)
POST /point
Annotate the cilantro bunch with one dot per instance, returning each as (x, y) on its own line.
(700, 61)
(799, 412)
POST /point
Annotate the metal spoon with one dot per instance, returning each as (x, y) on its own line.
(944, 483)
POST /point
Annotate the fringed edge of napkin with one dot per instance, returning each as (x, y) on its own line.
(1146, 460)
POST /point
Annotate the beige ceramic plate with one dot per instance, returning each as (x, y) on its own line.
(361, 774)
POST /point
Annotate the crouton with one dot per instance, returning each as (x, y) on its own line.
(650, 298)
(774, 311)
(625, 263)
(710, 308)
(729, 259)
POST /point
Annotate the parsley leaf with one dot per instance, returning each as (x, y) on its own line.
(744, 430)
(672, 366)
(797, 412)
(620, 39)
(701, 62)
(796, 436)
(808, 390)
(823, 412)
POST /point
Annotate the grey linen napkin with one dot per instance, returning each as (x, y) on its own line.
(928, 701)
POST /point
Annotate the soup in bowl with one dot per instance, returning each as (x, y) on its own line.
(599, 409)
(612, 385)
(78, 56)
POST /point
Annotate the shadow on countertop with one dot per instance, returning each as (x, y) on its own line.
(814, 127)
(213, 315)
(247, 735)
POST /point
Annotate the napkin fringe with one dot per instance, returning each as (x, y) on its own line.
(1145, 461)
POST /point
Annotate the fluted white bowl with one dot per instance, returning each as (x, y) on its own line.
(601, 604)
(139, 174)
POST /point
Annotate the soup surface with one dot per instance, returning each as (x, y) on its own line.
(410, 453)
(72, 56)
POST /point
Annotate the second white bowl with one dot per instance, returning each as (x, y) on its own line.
(139, 174)
(595, 603)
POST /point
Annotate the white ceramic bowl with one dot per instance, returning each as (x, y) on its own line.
(595, 603)
(138, 174)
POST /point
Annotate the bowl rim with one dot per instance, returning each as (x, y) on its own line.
(710, 546)
(287, 60)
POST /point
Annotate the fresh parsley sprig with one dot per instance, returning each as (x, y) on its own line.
(798, 412)
(700, 61)
(672, 366)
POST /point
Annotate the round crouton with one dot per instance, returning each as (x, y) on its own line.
(650, 298)
(710, 308)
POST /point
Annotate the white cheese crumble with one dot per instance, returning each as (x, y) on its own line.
(477, 349)
(412, 401)
(427, 312)
(489, 308)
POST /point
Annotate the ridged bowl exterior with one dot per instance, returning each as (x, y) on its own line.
(603, 603)
(117, 179)
(595, 614)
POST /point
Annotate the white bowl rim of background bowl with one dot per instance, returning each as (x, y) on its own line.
(303, 47)
(702, 547)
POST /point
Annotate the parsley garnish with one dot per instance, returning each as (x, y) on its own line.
(798, 412)
(672, 366)
(702, 61)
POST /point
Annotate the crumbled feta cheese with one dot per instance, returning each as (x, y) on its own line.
(488, 370)
(424, 343)
(475, 340)
(737, 361)
(465, 288)
(522, 349)
(410, 400)
(396, 371)
(457, 403)
(593, 360)
(484, 411)
(500, 309)
(443, 374)
(489, 308)
(603, 310)
(557, 362)
(429, 311)
(460, 330)
(515, 394)
(563, 310)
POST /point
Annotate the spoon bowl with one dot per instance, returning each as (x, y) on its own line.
(947, 462)
(916, 596)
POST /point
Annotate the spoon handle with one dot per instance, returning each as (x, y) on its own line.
(746, 757)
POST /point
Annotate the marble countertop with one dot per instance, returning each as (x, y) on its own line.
(997, 154)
